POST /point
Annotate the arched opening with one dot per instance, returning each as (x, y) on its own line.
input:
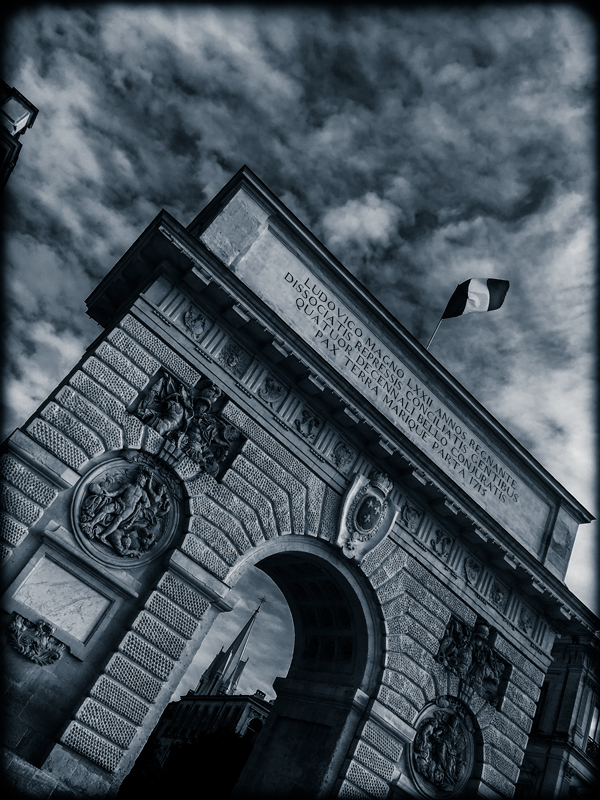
(319, 704)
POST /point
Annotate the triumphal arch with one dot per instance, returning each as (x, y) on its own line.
(249, 403)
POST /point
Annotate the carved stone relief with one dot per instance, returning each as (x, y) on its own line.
(125, 511)
(271, 391)
(472, 570)
(366, 516)
(234, 359)
(441, 544)
(34, 640)
(410, 517)
(342, 456)
(195, 323)
(465, 652)
(442, 753)
(526, 620)
(307, 425)
(498, 596)
(189, 422)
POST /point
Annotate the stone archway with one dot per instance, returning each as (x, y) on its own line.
(336, 664)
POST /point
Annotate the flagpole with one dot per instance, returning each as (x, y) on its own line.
(435, 331)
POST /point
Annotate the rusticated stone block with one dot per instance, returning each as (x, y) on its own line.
(119, 699)
(502, 723)
(57, 444)
(197, 550)
(102, 399)
(515, 714)
(378, 738)
(133, 428)
(415, 672)
(393, 588)
(11, 531)
(153, 441)
(146, 656)
(183, 595)
(92, 417)
(348, 791)
(401, 684)
(425, 579)
(520, 699)
(426, 599)
(395, 562)
(158, 634)
(525, 684)
(169, 612)
(373, 785)
(26, 481)
(215, 538)
(513, 656)
(417, 653)
(278, 498)
(160, 350)
(261, 505)
(374, 761)
(330, 514)
(136, 679)
(494, 739)
(119, 339)
(222, 519)
(122, 390)
(5, 553)
(497, 781)
(375, 557)
(106, 723)
(408, 626)
(18, 506)
(378, 578)
(201, 485)
(73, 428)
(397, 703)
(239, 511)
(94, 747)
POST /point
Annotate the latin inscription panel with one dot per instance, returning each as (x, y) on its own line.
(354, 350)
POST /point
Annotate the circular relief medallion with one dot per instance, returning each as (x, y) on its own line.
(124, 514)
(442, 752)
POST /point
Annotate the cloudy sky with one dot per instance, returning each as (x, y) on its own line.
(423, 147)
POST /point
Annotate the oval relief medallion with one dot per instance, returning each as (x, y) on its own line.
(124, 514)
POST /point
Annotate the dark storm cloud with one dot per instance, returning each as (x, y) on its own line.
(423, 147)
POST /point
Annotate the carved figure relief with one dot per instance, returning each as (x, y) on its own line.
(234, 359)
(189, 422)
(442, 753)
(366, 516)
(307, 425)
(34, 640)
(526, 620)
(194, 323)
(342, 456)
(498, 596)
(124, 512)
(441, 544)
(410, 517)
(271, 391)
(472, 570)
(466, 653)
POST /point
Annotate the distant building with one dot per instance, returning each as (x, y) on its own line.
(16, 114)
(213, 705)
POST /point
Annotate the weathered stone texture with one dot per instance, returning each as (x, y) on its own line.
(397, 703)
(133, 428)
(133, 351)
(160, 350)
(18, 506)
(332, 503)
(57, 444)
(73, 428)
(520, 699)
(526, 685)
(92, 417)
(497, 781)
(225, 521)
(136, 679)
(158, 634)
(147, 656)
(425, 579)
(498, 741)
(122, 390)
(375, 557)
(26, 481)
(502, 723)
(513, 656)
(373, 734)
(89, 744)
(515, 714)
(170, 613)
(106, 723)
(197, 550)
(417, 673)
(98, 396)
(406, 625)
(401, 684)
(217, 541)
(240, 513)
(348, 791)
(183, 595)
(119, 699)
(373, 785)
(276, 495)
(261, 505)
(374, 761)
(395, 562)
(11, 531)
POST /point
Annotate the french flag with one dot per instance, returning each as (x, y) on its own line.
(476, 294)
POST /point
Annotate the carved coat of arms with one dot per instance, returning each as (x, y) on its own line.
(367, 515)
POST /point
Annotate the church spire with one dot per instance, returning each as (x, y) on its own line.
(223, 674)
